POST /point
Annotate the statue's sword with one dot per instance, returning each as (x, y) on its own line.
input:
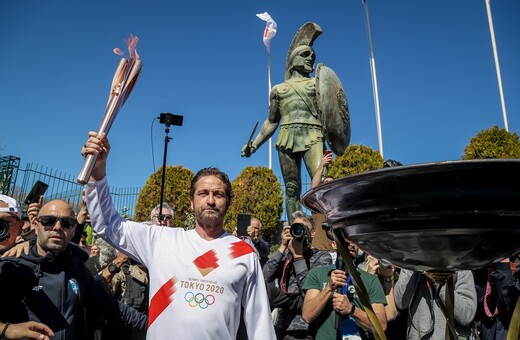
(247, 152)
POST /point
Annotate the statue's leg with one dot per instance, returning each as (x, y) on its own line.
(290, 164)
(312, 159)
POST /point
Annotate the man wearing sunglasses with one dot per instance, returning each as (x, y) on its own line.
(167, 215)
(52, 285)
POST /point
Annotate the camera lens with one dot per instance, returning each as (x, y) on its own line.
(298, 230)
(4, 230)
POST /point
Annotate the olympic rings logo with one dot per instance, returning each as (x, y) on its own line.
(199, 299)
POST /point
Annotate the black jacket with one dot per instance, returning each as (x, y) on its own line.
(505, 290)
(60, 292)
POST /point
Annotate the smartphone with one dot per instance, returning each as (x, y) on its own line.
(328, 152)
(37, 190)
(243, 221)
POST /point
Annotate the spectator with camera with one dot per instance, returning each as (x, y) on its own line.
(10, 222)
(285, 273)
(261, 245)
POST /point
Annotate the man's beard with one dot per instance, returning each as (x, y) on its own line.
(210, 218)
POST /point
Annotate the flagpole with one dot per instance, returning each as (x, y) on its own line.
(497, 65)
(374, 81)
(269, 104)
(269, 33)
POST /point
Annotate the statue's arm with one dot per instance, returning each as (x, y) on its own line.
(270, 124)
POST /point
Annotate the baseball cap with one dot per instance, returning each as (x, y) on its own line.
(12, 206)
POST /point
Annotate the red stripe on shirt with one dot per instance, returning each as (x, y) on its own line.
(162, 298)
(239, 249)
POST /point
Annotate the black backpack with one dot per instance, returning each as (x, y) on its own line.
(136, 292)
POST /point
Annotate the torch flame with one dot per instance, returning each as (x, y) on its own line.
(132, 46)
(131, 42)
(118, 51)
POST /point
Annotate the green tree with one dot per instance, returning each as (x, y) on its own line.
(356, 159)
(256, 191)
(493, 143)
(176, 193)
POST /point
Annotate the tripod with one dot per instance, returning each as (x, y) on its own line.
(167, 119)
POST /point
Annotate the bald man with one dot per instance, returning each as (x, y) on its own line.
(52, 285)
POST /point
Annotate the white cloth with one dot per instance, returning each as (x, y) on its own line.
(269, 31)
(196, 286)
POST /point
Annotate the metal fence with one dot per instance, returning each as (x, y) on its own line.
(61, 185)
(17, 183)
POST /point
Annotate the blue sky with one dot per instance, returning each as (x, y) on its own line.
(206, 61)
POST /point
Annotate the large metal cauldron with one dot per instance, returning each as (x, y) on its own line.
(436, 217)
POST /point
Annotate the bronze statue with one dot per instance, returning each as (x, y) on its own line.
(309, 111)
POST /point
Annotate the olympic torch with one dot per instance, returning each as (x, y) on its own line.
(123, 82)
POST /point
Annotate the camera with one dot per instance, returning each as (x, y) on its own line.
(170, 119)
(4, 230)
(298, 230)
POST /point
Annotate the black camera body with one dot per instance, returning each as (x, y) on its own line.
(4, 230)
(299, 231)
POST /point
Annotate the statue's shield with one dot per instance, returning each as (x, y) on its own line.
(333, 109)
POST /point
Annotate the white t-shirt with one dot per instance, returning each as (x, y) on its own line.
(196, 286)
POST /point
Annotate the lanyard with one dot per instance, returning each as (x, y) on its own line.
(345, 288)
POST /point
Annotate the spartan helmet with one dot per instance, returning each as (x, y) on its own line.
(302, 57)
(303, 39)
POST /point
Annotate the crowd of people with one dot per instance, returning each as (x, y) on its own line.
(151, 280)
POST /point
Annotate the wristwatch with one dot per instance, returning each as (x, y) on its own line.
(352, 310)
(113, 268)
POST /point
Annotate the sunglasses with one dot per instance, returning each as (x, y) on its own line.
(165, 217)
(50, 221)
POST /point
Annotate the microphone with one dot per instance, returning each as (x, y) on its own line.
(341, 266)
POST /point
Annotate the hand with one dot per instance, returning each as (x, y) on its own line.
(82, 214)
(338, 278)
(326, 160)
(28, 330)
(341, 304)
(97, 145)
(251, 232)
(34, 209)
(121, 258)
(372, 265)
(17, 250)
(296, 247)
(248, 150)
(286, 238)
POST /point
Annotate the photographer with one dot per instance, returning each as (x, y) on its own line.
(285, 272)
(10, 222)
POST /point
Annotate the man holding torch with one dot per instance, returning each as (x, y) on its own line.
(199, 278)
